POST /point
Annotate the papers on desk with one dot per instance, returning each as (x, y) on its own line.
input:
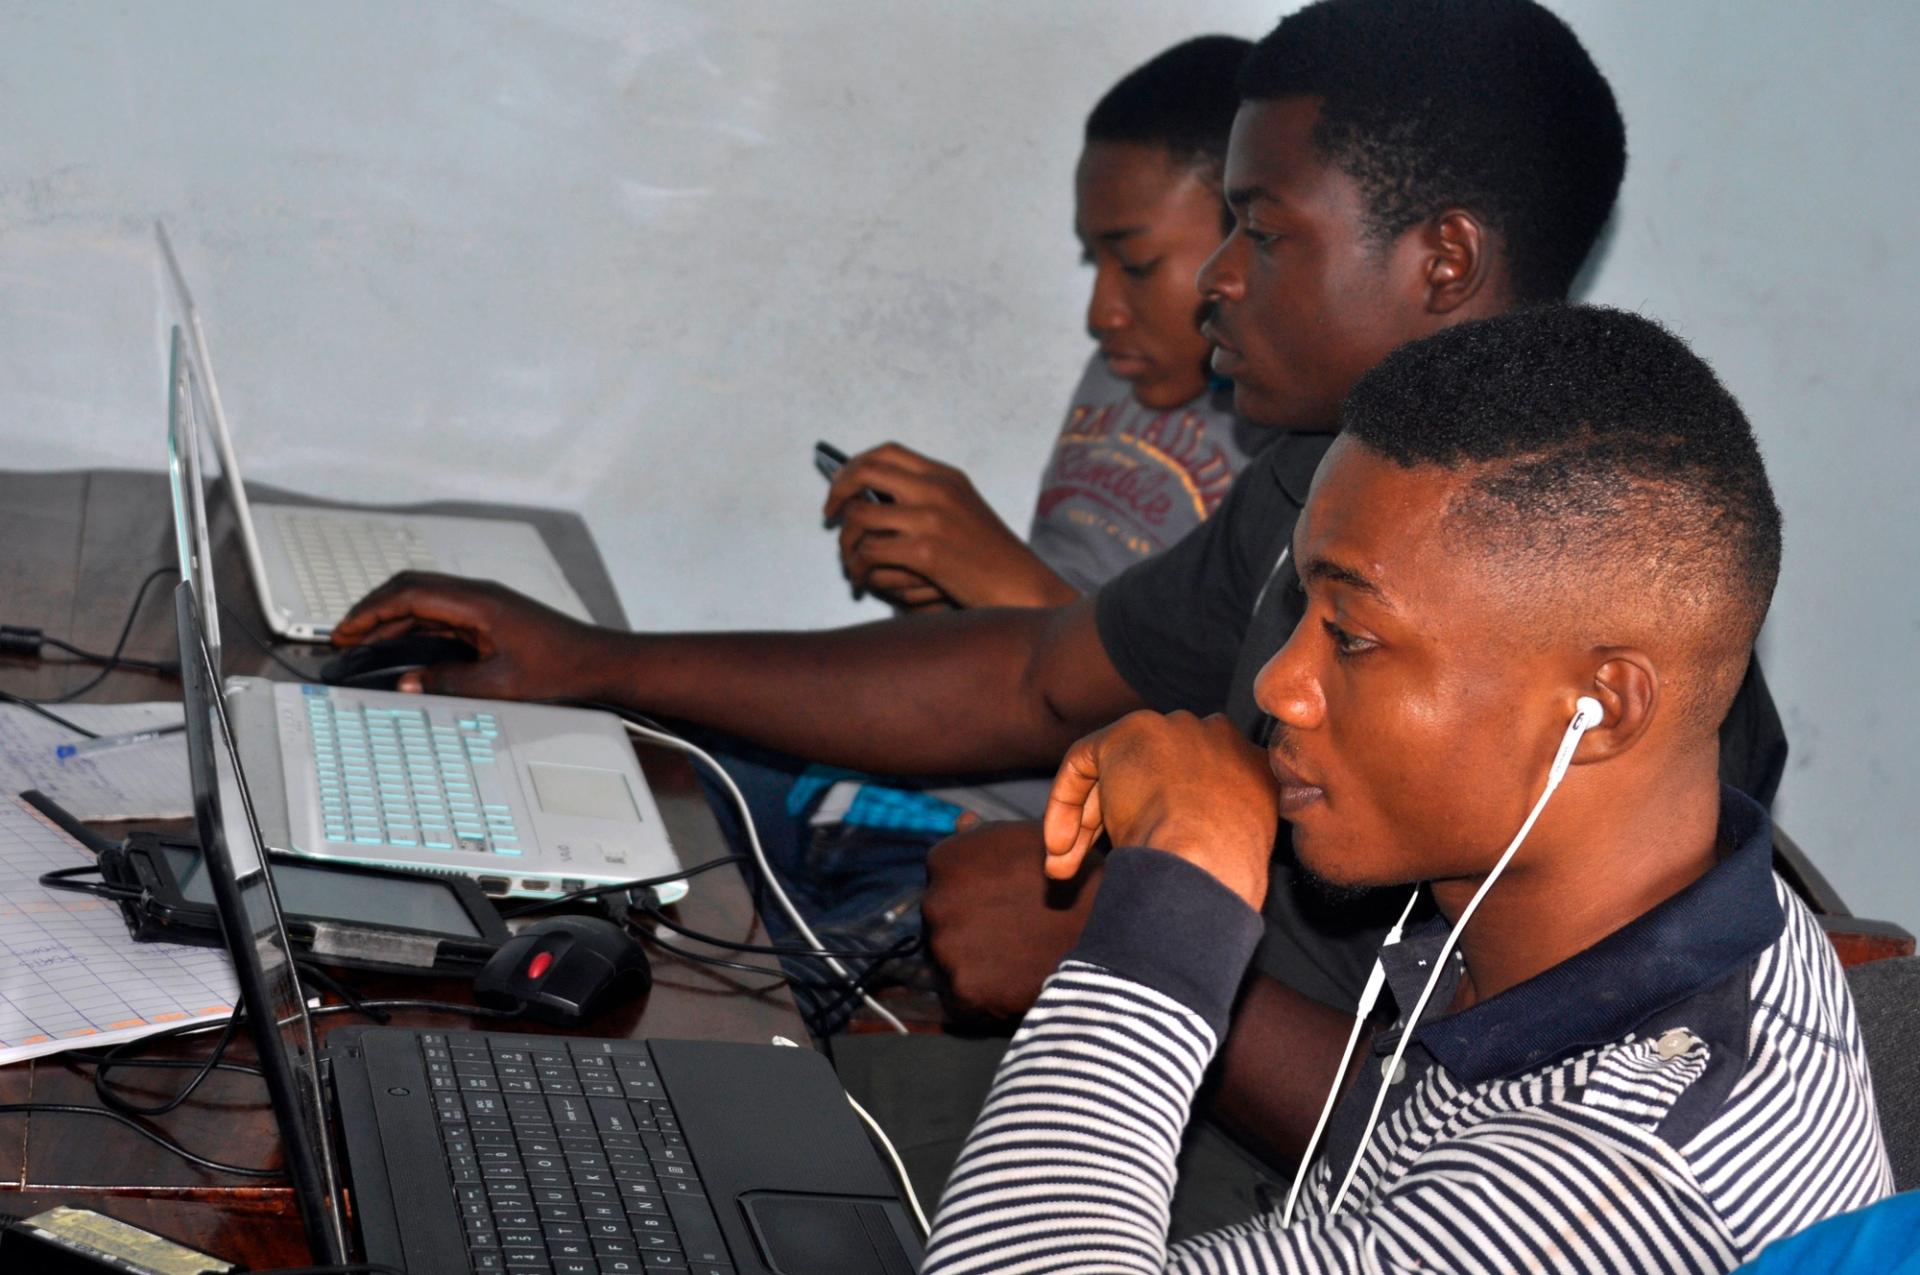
(138, 781)
(72, 977)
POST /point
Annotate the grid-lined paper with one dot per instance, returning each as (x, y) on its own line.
(70, 975)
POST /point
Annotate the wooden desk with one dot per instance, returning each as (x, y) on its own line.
(77, 546)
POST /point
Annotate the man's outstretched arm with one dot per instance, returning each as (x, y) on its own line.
(930, 694)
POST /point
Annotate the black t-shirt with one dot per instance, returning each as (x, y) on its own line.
(1191, 629)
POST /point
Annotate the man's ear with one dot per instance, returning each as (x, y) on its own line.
(1628, 687)
(1461, 259)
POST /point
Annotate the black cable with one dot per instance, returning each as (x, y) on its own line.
(168, 668)
(34, 706)
(120, 645)
(57, 879)
(265, 646)
(620, 887)
(654, 911)
(106, 1093)
(778, 975)
(151, 1135)
(850, 992)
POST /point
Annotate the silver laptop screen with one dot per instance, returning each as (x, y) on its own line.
(190, 491)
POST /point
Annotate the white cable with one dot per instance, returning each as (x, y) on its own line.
(760, 860)
(1369, 997)
(1587, 713)
(886, 1144)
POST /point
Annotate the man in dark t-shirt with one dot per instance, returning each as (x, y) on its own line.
(1397, 167)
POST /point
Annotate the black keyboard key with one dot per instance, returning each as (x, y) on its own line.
(646, 1208)
(485, 1261)
(568, 1111)
(621, 1266)
(565, 1230)
(711, 1268)
(526, 1259)
(611, 1115)
(516, 1219)
(576, 1266)
(522, 1238)
(558, 1249)
(562, 1213)
(663, 1262)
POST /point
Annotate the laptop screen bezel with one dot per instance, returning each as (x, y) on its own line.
(306, 1151)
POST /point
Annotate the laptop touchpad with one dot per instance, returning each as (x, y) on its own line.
(826, 1235)
(583, 791)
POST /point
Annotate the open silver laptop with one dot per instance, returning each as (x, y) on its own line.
(310, 565)
(528, 799)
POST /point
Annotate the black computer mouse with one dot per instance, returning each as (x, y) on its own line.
(564, 970)
(378, 665)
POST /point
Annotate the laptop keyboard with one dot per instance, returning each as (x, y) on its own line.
(566, 1158)
(337, 561)
(403, 776)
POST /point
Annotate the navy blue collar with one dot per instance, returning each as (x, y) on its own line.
(1682, 947)
(1294, 458)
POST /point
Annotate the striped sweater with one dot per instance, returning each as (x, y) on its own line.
(1671, 1099)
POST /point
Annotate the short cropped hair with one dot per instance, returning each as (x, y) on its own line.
(1601, 450)
(1183, 101)
(1488, 105)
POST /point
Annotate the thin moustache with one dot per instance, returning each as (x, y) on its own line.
(1285, 774)
(1212, 331)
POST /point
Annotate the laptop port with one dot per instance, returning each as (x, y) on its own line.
(530, 886)
(571, 884)
(498, 887)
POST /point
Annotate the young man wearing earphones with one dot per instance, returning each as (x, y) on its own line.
(1534, 565)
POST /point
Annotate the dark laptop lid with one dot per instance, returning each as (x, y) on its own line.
(256, 936)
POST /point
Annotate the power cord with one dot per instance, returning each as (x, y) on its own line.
(35, 707)
(151, 1135)
(266, 647)
(674, 742)
(113, 661)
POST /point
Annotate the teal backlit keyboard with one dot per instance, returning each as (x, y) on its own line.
(410, 777)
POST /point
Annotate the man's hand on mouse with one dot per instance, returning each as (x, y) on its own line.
(1190, 786)
(526, 650)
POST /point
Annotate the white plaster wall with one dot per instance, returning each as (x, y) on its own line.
(632, 258)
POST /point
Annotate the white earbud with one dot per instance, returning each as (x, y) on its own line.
(1587, 713)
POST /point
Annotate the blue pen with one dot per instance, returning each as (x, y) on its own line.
(65, 751)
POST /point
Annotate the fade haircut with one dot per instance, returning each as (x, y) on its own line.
(1602, 451)
(1182, 101)
(1487, 105)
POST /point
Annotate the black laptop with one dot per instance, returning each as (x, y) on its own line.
(493, 1152)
